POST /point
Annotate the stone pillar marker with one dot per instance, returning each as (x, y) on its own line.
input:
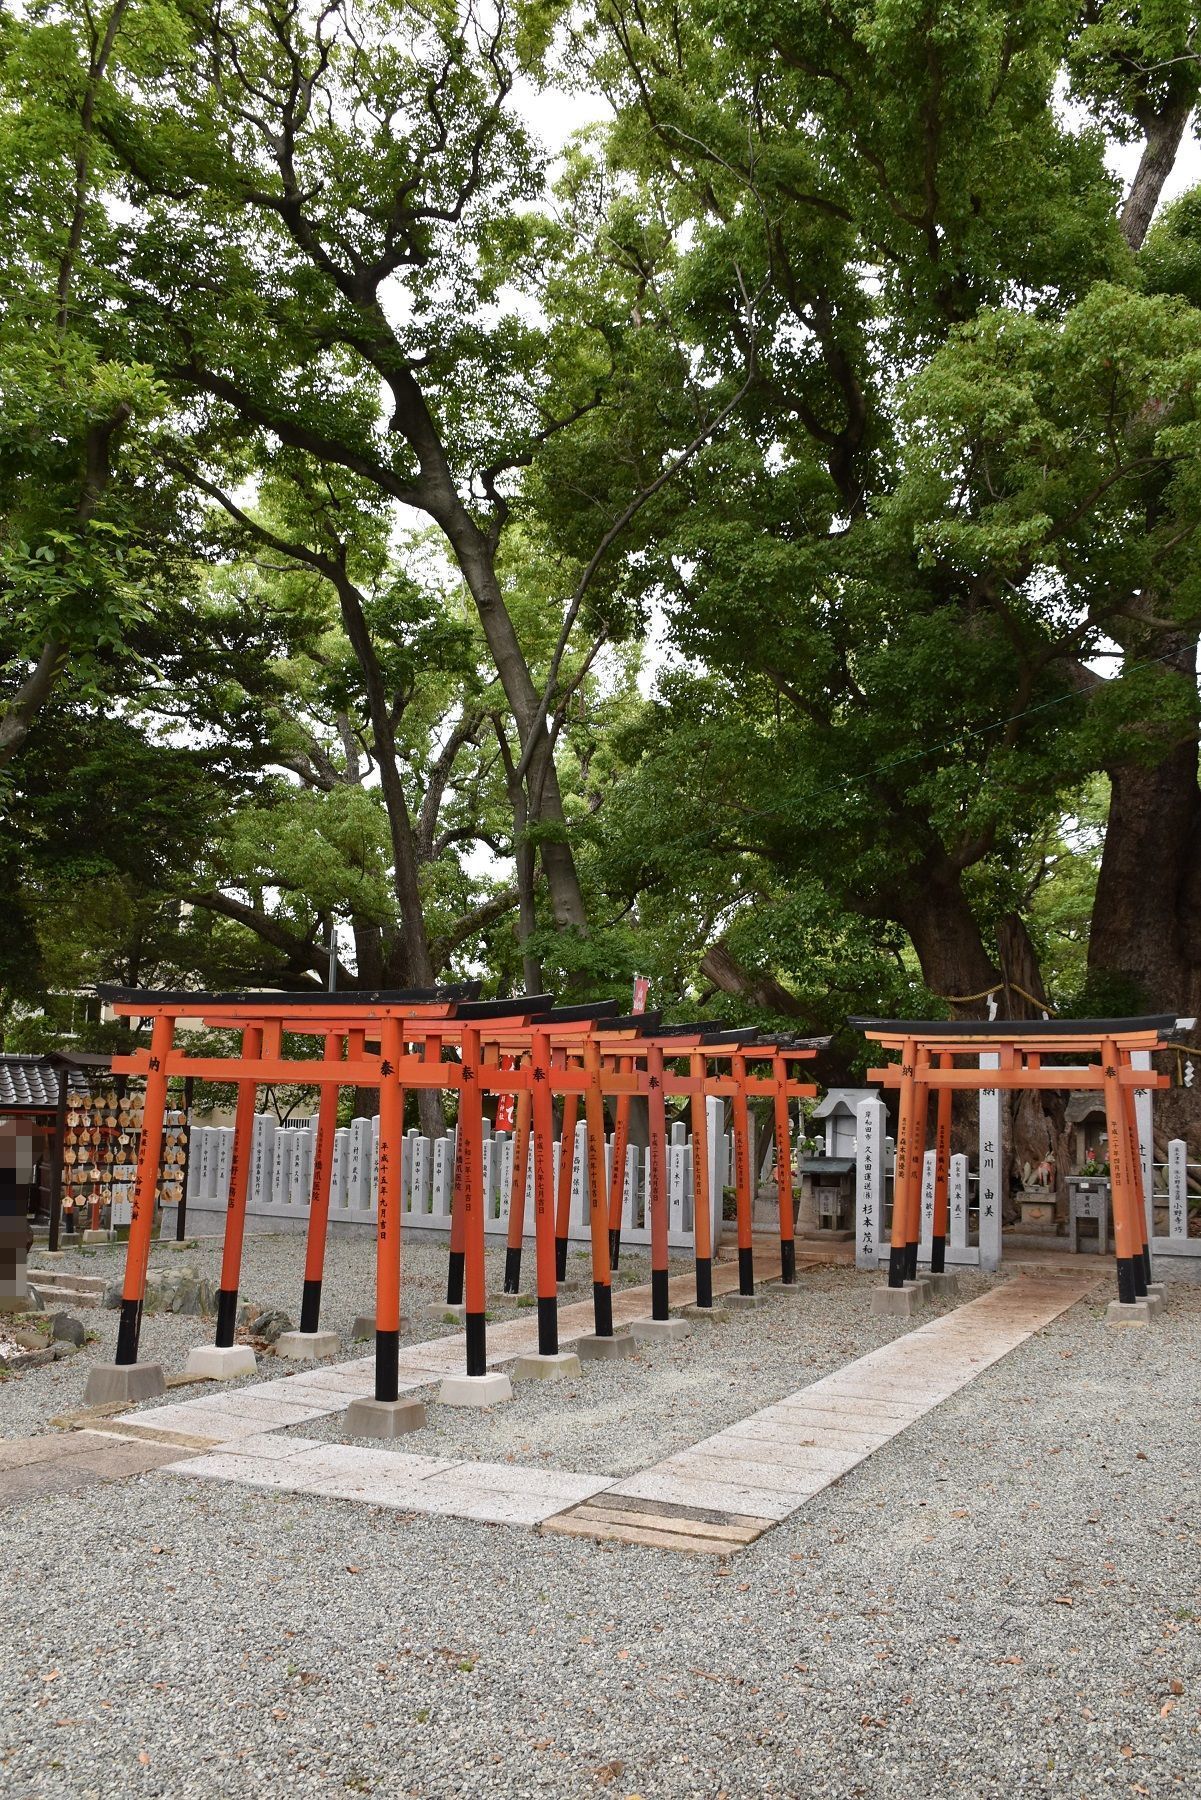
(439, 1186)
(675, 1181)
(1178, 1189)
(419, 1178)
(870, 1126)
(990, 1169)
(957, 1198)
(929, 1166)
(579, 1179)
(225, 1145)
(715, 1118)
(279, 1170)
(629, 1191)
(338, 1176)
(1141, 1059)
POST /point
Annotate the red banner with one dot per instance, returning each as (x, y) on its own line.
(642, 988)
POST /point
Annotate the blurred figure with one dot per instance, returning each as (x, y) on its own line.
(16, 1173)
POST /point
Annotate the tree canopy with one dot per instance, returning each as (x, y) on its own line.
(751, 543)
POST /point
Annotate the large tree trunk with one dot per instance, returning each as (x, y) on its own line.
(476, 561)
(761, 990)
(405, 873)
(946, 936)
(1145, 937)
(720, 966)
(1147, 891)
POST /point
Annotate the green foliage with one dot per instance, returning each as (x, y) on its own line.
(332, 436)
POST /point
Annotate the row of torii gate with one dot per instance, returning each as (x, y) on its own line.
(452, 1041)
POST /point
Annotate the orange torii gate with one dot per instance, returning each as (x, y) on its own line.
(928, 1051)
(409, 1035)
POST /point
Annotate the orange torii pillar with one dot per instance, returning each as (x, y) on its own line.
(517, 1186)
(602, 1344)
(480, 1386)
(386, 1415)
(224, 1359)
(571, 1113)
(1124, 1183)
(660, 1324)
(127, 1379)
(906, 1131)
(617, 1172)
(310, 1340)
(744, 1188)
(702, 1187)
(598, 1195)
(549, 1361)
(917, 1158)
(1136, 1165)
(783, 1171)
(942, 1173)
(458, 1226)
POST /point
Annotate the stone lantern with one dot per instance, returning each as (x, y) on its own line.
(827, 1199)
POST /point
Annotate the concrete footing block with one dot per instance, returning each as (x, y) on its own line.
(942, 1284)
(476, 1390)
(95, 1235)
(210, 1362)
(181, 1243)
(714, 1315)
(363, 1329)
(920, 1284)
(659, 1330)
(897, 1303)
(308, 1346)
(441, 1310)
(539, 1367)
(605, 1349)
(52, 1255)
(743, 1302)
(1137, 1312)
(109, 1383)
(383, 1418)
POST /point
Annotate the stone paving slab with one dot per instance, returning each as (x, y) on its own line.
(762, 1467)
(77, 1459)
(898, 1377)
(684, 1489)
(520, 1480)
(772, 1477)
(222, 1465)
(799, 1459)
(341, 1381)
(832, 1437)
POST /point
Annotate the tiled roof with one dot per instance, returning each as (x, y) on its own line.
(29, 1082)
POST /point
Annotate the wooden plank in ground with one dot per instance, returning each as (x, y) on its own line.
(565, 1525)
(657, 1526)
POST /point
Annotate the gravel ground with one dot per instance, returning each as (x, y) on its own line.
(272, 1271)
(620, 1416)
(1004, 1601)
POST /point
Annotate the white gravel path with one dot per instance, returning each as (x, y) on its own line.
(1005, 1601)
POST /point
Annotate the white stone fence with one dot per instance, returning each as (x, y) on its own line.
(281, 1178)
